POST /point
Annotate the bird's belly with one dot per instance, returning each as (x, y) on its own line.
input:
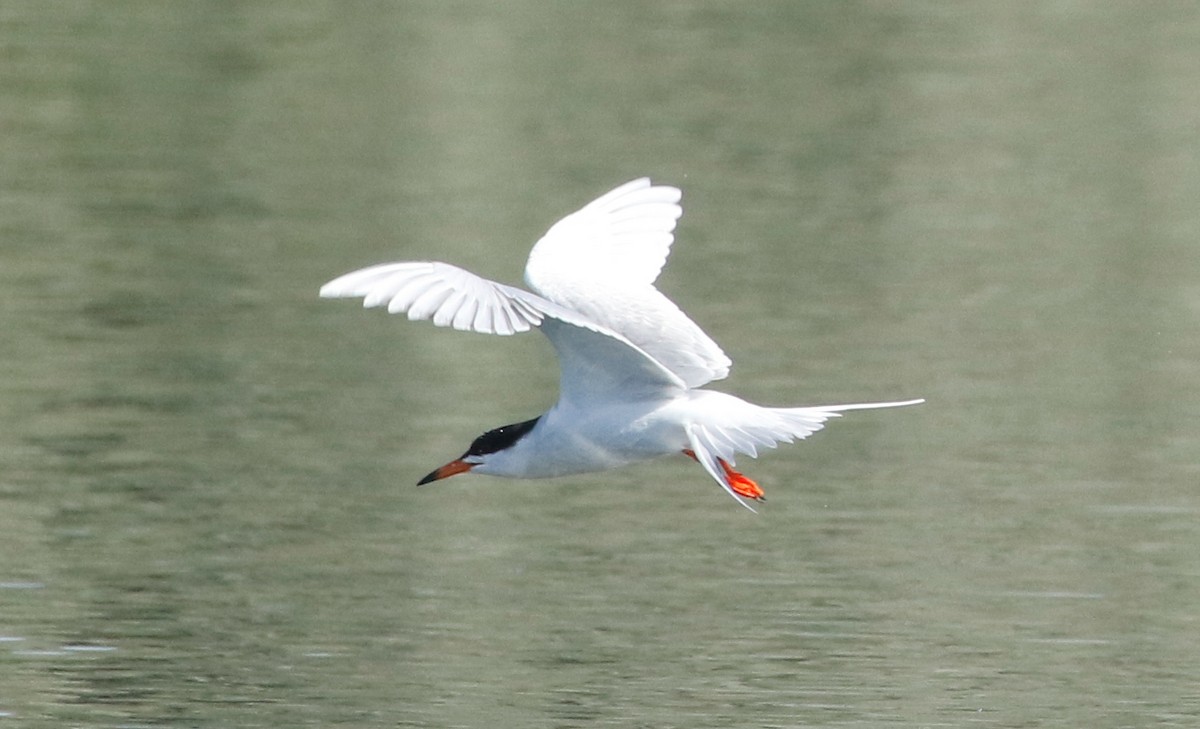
(584, 443)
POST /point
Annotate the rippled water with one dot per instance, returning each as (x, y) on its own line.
(207, 509)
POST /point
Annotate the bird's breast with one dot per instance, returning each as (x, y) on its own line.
(571, 440)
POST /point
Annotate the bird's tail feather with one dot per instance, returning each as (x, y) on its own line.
(803, 422)
(716, 445)
(862, 406)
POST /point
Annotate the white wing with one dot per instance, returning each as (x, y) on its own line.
(604, 367)
(596, 362)
(624, 234)
(602, 260)
(446, 294)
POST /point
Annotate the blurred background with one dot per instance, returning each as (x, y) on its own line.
(207, 506)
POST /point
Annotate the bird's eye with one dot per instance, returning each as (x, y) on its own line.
(500, 438)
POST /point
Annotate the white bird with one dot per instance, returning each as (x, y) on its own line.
(632, 363)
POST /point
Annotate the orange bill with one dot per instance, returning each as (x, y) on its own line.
(456, 466)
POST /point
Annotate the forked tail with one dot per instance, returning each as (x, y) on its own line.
(803, 422)
(715, 446)
(864, 406)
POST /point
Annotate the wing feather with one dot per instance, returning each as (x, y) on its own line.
(446, 294)
(596, 362)
(602, 261)
(584, 240)
(593, 270)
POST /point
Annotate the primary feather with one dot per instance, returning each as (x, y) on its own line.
(602, 262)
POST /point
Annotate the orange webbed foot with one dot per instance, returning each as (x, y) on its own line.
(741, 485)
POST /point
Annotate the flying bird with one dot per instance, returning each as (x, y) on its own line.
(632, 364)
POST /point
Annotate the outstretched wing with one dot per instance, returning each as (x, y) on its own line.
(602, 261)
(624, 235)
(446, 294)
(596, 362)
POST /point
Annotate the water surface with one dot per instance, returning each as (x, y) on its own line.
(206, 474)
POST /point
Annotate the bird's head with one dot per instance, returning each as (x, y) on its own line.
(482, 448)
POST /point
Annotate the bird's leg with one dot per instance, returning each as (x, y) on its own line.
(740, 484)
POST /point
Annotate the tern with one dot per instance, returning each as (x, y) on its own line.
(632, 364)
